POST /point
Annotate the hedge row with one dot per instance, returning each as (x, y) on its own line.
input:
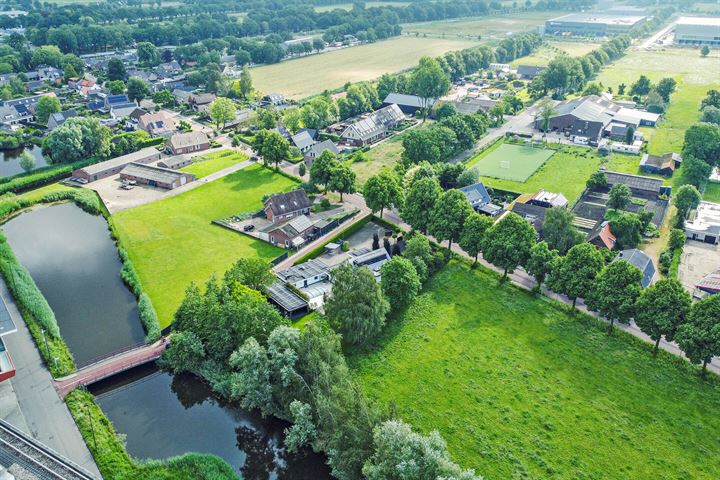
(316, 252)
(39, 177)
(148, 316)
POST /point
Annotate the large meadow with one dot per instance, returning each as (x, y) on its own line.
(492, 27)
(311, 75)
(521, 389)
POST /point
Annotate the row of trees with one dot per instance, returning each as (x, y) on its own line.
(232, 337)
(701, 147)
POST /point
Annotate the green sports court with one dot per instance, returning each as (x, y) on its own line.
(512, 162)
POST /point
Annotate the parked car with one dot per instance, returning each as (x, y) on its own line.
(249, 228)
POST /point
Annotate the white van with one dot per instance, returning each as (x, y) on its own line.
(581, 140)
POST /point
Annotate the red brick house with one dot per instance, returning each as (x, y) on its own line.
(286, 206)
(189, 142)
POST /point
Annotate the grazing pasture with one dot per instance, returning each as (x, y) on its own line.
(521, 389)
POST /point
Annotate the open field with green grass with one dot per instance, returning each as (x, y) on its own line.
(695, 76)
(712, 193)
(512, 162)
(620, 162)
(349, 6)
(495, 27)
(172, 242)
(214, 162)
(565, 172)
(306, 76)
(520, 389)
(550, 50)
(387, 154)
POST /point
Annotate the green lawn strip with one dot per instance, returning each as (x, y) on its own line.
(565, 172)
(520, 389)
(214, 162)
(172, 243)
(488, 150)
(623, 163)
(712, 193)
(522, 162)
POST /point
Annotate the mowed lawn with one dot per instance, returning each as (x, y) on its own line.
(624, 163)
(565, 172)
(512, 162)
(214, 162)
(712, 193)
(310, 75)
(695, 76)
(172, 242)
(520, 389)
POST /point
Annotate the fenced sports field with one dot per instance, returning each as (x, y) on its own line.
(513, 162)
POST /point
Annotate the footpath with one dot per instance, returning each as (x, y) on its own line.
(35, 406)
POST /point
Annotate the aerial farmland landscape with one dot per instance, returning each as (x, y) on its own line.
(382, 240)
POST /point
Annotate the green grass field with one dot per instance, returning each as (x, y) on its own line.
(172, 242)
(520, 389)
(495, 27)
(306, 76)
(695, 76)
(214, 162)
(712, 193)
(550, 50)
(620, 162)
(565, 172)
(381, 156)
(512, 162)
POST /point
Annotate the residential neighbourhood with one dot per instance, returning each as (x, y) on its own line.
(383, 240)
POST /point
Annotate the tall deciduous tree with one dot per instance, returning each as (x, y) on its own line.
(641, 86)
(148, 54)
(46, 106)
(686, 198)
(428, 82)
(137, 89)
(619, 196)
(507, 243)
(661, 309)
(574, 274)
(448, 216)
(382, 191)
(400, 282)
(342, 180)
(702, 141)
(251, 272)
(559, 231)
(627, 228)
(27, 161)
(272, 147)
(246, 85)
(116, 69)
(356, 309)
(222, 110)
(473, 234)
(419, 202)
(321, 168)
(699, 337)
(541, 262)
(615, 292)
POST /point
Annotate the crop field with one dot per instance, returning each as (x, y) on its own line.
(172, 243)
(512, 162)
(550, 50)
(349, 6)
(695, 76)
(565, 172)
(521, 389)
(214, 162)
(310, 75)
(495, 27)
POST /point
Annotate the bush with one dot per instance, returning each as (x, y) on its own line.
(346, 246)
(190, 466)
(149, 319)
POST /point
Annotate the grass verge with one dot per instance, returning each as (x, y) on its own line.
(214, 162)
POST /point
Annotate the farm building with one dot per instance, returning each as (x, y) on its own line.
(175, 162)
(155, 176)
(374, 260)
(640, 260)
(592, 24)
(548, 199)
(472, 105)
(660, 164)
(285, 206)
(373, 127)
(704, 223)
(188, 143)
(311, 277)
(288, 302)
(409, 104)
(698, 31)
(115, 165)
(639, 185)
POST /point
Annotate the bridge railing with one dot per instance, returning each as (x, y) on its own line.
(105, 356)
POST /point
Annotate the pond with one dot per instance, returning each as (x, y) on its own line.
(10, 160)
(75, 263)
(163, 415)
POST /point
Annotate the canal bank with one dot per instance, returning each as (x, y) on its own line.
(36, 407)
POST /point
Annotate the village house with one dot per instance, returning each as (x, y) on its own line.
(273, 99)
(302, 140)
(189, 142)
(479, 198)
(373, 127)
(529, 72)
(318, 148)
(639, 259)
(20, 110)
(603, 237)
(58, 118)
(408, 104)
(200, 102)
(157, 124)
(285, 206)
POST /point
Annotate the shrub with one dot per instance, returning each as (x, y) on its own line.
(149, 318)
(345, 246)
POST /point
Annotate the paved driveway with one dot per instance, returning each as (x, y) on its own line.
(697, 260)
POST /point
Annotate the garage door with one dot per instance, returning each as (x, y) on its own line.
(710, 239)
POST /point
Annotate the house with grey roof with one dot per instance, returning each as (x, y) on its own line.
(155, 176)
(318, 148)
(373, 127)
(585, 116)
(58, 118)
(408, 104)
(189, 142)
(476, 194)
(704, 223)
(302, 140)
(529, 72)
(114, 166)
(639, 259)
(284, 206)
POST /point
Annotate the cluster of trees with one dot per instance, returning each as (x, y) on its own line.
(333, 175)
(77, 139)
(317, 114)
(565, 74)
(451, 135)
(701, 147)
(655, 97)
(245, 349)
(710, 107)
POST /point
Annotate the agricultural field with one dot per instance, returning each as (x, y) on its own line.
(521, 389)
(695, 76)
(302, 77)
(172, 243)
(550, 50)
(214, 162)
(566, 171)
(487, 28)
(349, 6)
(512, 162)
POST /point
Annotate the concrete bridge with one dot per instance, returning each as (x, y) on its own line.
(110, 365)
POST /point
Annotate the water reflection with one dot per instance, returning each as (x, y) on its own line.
(10, 160)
